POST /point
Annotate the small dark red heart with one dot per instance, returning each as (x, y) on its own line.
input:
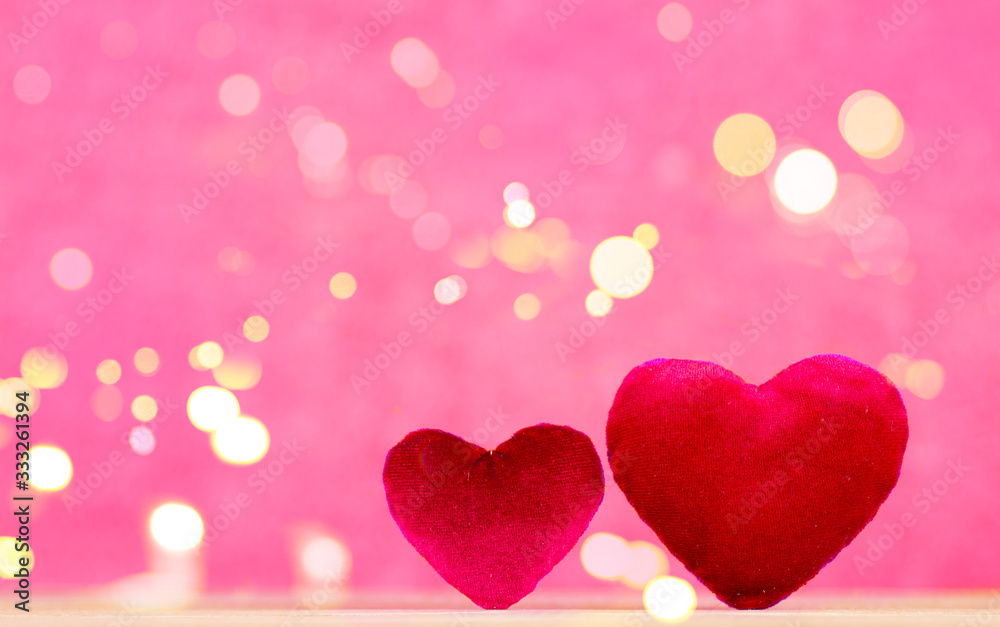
(493, 523)
(756, 488)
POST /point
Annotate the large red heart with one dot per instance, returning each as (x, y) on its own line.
(493, 523)
(756, 488)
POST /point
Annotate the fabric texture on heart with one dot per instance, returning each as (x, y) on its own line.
(493, 523)
(756, 488)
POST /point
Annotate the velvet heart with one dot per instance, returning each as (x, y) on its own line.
(493, 523)
(756, 488)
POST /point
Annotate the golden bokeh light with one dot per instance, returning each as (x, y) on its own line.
(646, 563)
(491, 136)
(51, 468)
(109, 372)
(238, 373)
(207, 355)
(147, 361)
(176, 527)
(242, 440)
(527, 306)
(256, 329)
(669, 599)
(414, 62)
(450, 290)
(925, 378)
(71, 269)
(894, 366)
(674, 22)
(621, 267)
(518, 249)
(599, 303)
(343, 285)
(554, 234)
(210, 407)
(744, 144)
(44, 368)
(472, 252)
(647, 235)
(805, 181)
(871, 124)
(144, 408)
(519, 214)
(378, 174)
(106, 402)
(10, 557)
(9, 389)
(605, 556)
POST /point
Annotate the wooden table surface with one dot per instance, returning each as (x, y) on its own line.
(958, 609)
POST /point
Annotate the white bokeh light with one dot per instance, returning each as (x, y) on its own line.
(605, 556)
(210, 407)
(49, 468)
(176, 527)
(669, 599)
(242, 440)
(805, 181)
(519, 214)
(325, 558)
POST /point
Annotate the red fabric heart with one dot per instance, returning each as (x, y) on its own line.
(756, 488)
(493, 523)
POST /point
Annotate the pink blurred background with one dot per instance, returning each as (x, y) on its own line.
(520, 88)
